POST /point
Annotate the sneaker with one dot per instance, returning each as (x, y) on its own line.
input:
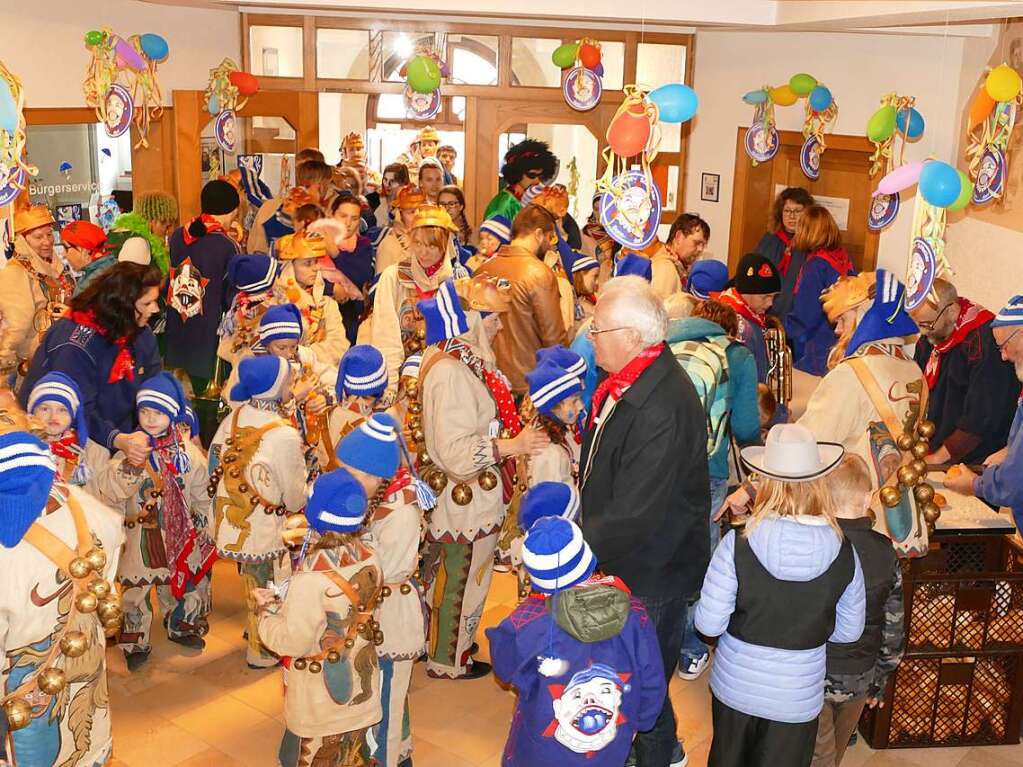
(678, 756)
(191, 641)
(691, 668)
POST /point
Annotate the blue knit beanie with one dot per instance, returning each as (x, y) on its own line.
(280, 323)
(556, 556)
(337, 504)
(549, 385)
(362, 373)
(252, 273)
(499, 227)
(410, 367)
(163, 392)
(62, 389)
(443, 314)
(549, 499)
(262, 377)
(1010, 314)
(887, 316)
(706, 277)
(373, 447)
(26, 476)
(563, 357)
(632, 263)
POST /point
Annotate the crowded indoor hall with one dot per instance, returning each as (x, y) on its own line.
(461, 386)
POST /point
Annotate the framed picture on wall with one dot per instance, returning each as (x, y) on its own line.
(710, 187)
(213, 157)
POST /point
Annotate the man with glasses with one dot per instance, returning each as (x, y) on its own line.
(1001, 483)
(670, 265)
(973, 392)
(528, 163)
(777, 244)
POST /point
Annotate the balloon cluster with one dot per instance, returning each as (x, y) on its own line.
(585, 52)
(818, 97)
(821, 112)
(121, 83)
(582, 85)
(992, 118)
(14, 170)
(897, 117)
(940, 184)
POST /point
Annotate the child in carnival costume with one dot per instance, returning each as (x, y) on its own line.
(581, 653)
(361, 383)
(167, 526)
(257, 476)
(252, 277)
(494, 233)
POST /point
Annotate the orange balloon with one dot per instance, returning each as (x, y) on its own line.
(589, 55)
(629, 132)
(981, 108)
(783, 96)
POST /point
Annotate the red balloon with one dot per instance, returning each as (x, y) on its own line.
(629, 132)
(246, 83)
(589, 55)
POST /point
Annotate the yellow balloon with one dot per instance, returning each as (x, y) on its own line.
(783, 96)
(1003, 83)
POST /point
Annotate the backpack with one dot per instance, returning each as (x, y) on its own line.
(705, 361)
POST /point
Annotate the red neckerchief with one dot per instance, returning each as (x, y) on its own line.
(124, 362)
(401, 480)
(66, 446)
(616, 383)
(838, 259)
(971, 317)
(211, 224)
(432, 270)
(733, 298)
(786, 259)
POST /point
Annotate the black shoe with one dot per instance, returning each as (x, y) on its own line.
(678, 756)
(191, 641)
(136, 659)
(477, 669)
(474, 649)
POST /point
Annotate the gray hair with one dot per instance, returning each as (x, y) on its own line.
(633, 304)
(680, 305)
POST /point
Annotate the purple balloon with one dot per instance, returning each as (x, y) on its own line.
(599, 70)
(445, 71)
(901, 178)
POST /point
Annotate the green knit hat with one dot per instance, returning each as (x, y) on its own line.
(156, 206)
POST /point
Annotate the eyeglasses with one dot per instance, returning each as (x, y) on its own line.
(533, 174)
(451, 204)
(1001, 346)
(925, 325)
(791, 211)
(596, 332)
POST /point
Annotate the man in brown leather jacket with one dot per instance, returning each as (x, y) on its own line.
(534, 319)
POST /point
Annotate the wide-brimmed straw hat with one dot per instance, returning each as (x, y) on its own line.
(792, 454)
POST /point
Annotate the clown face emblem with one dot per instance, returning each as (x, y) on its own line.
(118, 110)
(634, 207)
(187, 289)
(587, 711)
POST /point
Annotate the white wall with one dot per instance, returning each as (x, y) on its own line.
(45, 46)
(859, 69)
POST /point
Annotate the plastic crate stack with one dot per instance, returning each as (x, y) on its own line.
(961, 680)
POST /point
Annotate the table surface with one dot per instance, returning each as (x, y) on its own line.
(966, 512)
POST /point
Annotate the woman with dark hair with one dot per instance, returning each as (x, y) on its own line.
(452, 200)
(777, 244)
(104, 343)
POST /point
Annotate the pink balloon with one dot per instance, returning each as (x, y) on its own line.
(127, 56)
(901, 178)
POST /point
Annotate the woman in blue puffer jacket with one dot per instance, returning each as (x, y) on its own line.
(775, 594)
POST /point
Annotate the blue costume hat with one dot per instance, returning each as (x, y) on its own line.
(192, 420)
(706, 277)
(26, 476)
(373, 447)
(584, 262)
(563, 357)
(256, 190)
(163, 392)
(556, 556)
(62, 389)
(337, 504)
(410, 367)
(631, 263)
(549, 499)
(252, 273)
(280, 323)
(1010, 314)
(499, 226)
(887, 316)
(549, 385)
(262, 377)
(443, 314)
(362, 373)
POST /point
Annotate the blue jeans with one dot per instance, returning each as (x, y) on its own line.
(692, 646)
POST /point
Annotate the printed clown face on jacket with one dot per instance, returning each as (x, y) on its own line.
(588, 710)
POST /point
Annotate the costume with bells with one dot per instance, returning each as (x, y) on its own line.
(323, 629)
(251, 277)
(60, 548)
(76, 457)
(257, 475)
(362, 373)
(872, 401)
(467, 405)
(166, 519)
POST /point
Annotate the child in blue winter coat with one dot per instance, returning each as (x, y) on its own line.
(582, 655)
(775, 594)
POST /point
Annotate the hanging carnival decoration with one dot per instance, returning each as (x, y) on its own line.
(121, 83)
(630, 205)
(228, 91)
(897, 118)
(14, 170)
(582, 85)
(423, 73)
(992, 119)
(761, 141)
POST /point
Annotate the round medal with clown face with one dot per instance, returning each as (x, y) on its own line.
(883, 210)
(224, 130)
(119, 109)
(810, 158)
(990, 177)
(12, 180)
(582, 89)
(186, 290)
(631, 212)
(761, 142)
(923, 267)
(422, 106)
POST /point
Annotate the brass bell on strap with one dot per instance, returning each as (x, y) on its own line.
(906, 442)
(931, 512)
(926, 429)
(920, 450)
(923, 493)
(890, 496)
(86, 602)
(100, 588)
(437, 480)
(333, 656)
(461, 494)
(51, 680)
(74, 644)
(79, 568)
(97, 559)
(488, 480)
(19, 713)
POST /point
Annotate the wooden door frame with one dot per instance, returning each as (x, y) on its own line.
(743, 167)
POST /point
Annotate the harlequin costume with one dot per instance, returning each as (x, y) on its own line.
(393, 247)
(467, 405)
(167, 539)
(582, 655)
(325, 632)
(257, 475)
(251, 277)
(60, 548)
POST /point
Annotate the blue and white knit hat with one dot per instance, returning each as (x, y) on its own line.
(563, 357)
(373, 447)
(500, 227)
(549, 385)
(631, 263)
(549, 499)
(887, 316)
(26, 476)
(531, 194)
(280, 323)
(164, 392)
(192, 420)
(584, 262)
(252, 273)
(337, 504)
(256, 190)
(443, 314)
(556, 556)
(362, 373)
(1010, 314)
(706, 277)
(410, 367)
(262, 377)
(62, 389)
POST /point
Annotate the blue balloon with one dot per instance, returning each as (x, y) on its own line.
(939, 183)
(755, 97)
(8, 109)
(820, 98)
(213, 106)
(916, 123)
(676, 102)
(154, 46)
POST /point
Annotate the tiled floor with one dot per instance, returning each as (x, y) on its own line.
(209, 710)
